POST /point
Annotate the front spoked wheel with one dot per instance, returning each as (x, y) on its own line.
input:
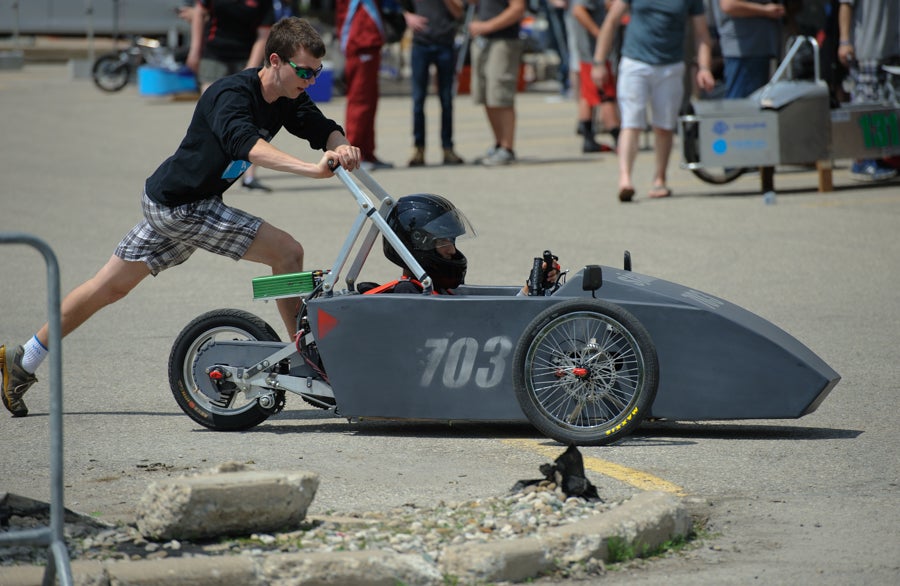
(585, 372)
(215, 404)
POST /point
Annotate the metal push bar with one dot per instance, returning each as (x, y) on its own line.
(376, 214)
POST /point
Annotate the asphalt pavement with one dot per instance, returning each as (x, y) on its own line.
(806, 501)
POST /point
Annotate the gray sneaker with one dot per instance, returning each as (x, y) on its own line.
(500, 156)
(16, 380)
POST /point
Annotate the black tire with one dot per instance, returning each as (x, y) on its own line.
(718, 176)
(691, 148)
(111, 73)
(197, 395)
(585, 372)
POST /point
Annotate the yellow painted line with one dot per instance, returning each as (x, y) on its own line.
(632, 476)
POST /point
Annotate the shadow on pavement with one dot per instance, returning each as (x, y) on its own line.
(668, 429)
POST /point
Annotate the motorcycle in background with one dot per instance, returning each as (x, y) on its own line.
(112, 71)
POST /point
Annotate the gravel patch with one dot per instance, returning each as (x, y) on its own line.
(408, 529)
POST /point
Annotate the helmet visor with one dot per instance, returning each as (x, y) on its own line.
(452, 225)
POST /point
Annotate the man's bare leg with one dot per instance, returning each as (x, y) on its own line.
(662, 148)
(628, 148)
(112, 282)
(503, 124)
(278, 249)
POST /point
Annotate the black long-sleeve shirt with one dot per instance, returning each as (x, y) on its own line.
(230, 117)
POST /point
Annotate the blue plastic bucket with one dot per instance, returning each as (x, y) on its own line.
(159, 81)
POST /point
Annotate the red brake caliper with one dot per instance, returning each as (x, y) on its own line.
(578, 371)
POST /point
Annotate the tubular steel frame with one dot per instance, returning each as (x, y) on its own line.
(52, 535)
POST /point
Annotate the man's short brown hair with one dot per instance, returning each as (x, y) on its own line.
(289, 35)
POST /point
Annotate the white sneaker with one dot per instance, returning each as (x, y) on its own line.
(500, 156)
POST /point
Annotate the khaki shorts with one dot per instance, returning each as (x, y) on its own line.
(495, 71)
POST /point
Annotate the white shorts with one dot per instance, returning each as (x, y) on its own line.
(660, 85)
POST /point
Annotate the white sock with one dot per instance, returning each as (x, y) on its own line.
(35, 352)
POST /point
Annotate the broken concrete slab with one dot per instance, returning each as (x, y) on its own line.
(213, 505)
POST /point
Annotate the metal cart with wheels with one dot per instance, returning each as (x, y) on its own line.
(786, 122)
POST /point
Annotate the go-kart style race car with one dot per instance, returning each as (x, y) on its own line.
(585, 365)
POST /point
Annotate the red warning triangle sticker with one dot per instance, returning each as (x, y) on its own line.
(326, 323)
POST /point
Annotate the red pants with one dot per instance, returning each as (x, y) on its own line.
(361, 75)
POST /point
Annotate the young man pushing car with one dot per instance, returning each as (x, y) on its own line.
(182, 200)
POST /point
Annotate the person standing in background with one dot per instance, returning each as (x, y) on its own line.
(434, 24)
(496, 55)
(228, 36)
(652, 71)
(361, 34)
(869, 38)
(749, 37)
(585, 20)
(556, 12)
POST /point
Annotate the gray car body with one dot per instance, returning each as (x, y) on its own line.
(451, 357)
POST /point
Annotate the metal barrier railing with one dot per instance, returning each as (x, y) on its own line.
(52, 536)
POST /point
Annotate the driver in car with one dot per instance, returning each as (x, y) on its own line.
(429, 226)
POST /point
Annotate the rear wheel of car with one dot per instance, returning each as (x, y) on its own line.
(219, 407)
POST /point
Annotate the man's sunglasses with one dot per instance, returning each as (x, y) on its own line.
(306, 72)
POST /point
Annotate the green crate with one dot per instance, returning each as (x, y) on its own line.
(277, 286)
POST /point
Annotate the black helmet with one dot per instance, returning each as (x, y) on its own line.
(421, 219)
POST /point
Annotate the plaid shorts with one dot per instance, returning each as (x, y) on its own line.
(168, 236)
